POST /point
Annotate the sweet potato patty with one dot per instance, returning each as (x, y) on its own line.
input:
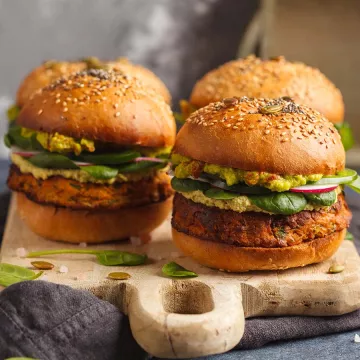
(253, 229)
(62, 192)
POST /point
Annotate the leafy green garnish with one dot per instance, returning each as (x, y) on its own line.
(52, 161)
(187, 185)
(280, 203)
(104, 257)
(100, 172)
(138, 166)
(346, 134)
(218, 194)
(12, 274)
(355, 185)
(324, 199)
(13, 112)
(14, 137)
(7, 141)
(175, 270)
(349, 236)
(111, 159)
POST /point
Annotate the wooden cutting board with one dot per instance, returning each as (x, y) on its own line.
(201, 316)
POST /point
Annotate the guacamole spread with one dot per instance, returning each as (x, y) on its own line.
(186, 167)
(82, 176)
(238, 204)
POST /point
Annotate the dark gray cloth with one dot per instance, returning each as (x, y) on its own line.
(49, 321)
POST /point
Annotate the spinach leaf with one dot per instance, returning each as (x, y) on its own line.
(12, 274)
(104, 257)
(187, 185)
(111, 159)
(27, 143)
(349, 236)
(346, 134)
(280, 203)
(325, 199)
(138, 166)
(175, 270)
(100, 172)
(7, 141)
(52, 161)
(218, 194)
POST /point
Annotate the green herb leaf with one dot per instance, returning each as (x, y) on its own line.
(141, 165)
(355, 185)
(12, 274)
(52, 161)
(346, 134)
(218, 194)
(175, 270)
(324, 199)
(349, 236)
(7, 141)
(100, 172)
(111, 159)
(280, 203)
(187, 185)
(13, 112)
(26, 143)
(105, 257)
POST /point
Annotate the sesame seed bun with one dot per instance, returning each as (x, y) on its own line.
(258, 78)
(275, 136)
(76, 226)
(240, 259)
(50, 71)
(101, 105)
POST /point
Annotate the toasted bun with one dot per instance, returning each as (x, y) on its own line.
(254, 77)
(101, 105)
(147, 77)
(234, 133)
(50, 71)
(44, 75)
(77, 226)
(240, 259)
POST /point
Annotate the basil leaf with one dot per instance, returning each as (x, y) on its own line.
(111, 159)
(12, 274)
(355, 185)
(187, 185)
(113, 258)
(218, 194)
(13, 112)
(52, 161)
(346, 134)
(325, 199)
(280, 203)
(100, 172)
(142, 165)
(349, 236)
(175, 270)
(105, 257)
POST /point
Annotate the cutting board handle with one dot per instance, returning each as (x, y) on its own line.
(189, 318)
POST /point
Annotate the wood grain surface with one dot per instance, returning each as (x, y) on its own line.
(194, 317)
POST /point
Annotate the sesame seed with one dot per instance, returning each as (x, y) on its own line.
(279, 127)
(97, 101)
(115, 106)
(283, 133)
(117, 114)
(57, 95)
(228, 125)
(75, 100)
(40, 112)
(267, 132)
(57, 101)
(44, 101)
(284, 140)
(235, 127)
(64, 103)
(81, 103)
(65, 109)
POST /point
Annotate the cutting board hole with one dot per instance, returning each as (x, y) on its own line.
(187, 297)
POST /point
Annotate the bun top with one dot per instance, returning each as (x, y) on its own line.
(272, 78)
(101, 105)
(52, 70)
(275, 136)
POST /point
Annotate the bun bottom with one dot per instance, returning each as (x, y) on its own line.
(240, 259)
(76, 226)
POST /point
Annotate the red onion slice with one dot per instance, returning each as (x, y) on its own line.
(314, 188)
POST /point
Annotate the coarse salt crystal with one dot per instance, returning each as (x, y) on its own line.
(357, 338)
(21, 252)
(63, 269)
(83, 245)
(135, 240)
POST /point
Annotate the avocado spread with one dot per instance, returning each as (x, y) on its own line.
(82, 176)
(60, 143)
(186, 167)
(238, 204)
